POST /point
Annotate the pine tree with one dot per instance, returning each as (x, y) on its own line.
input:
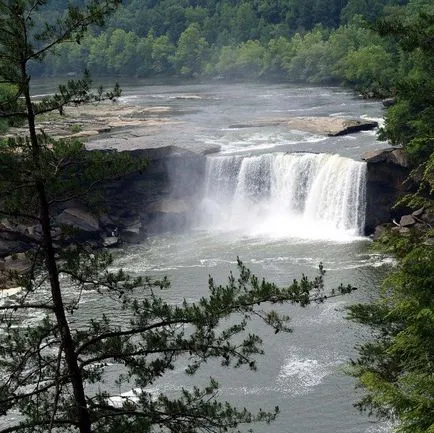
(395, 368)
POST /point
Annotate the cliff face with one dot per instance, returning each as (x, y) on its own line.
(158, 199)
(387, 172)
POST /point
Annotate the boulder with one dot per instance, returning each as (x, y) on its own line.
(418, 213)
(331, 126)
(407, 221)
(15, 238)
(380, 231)
(110, 241)
(131, 230)
(10, 267)
(388, 102)
(351, 126)
(402, 231)
(394, 156)
(168, 214)
(79, 219)
(17, 262)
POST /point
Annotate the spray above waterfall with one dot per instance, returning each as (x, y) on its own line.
(301, 195)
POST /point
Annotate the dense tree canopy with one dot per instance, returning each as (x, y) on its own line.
(396, 367)
(311, 41)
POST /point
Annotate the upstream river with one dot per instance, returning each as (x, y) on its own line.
(283, 201)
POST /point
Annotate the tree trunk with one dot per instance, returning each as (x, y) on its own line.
(83, 415)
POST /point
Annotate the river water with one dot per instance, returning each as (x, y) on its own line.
(252, 208)
(283, 201)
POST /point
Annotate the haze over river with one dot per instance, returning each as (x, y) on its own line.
(282, 214)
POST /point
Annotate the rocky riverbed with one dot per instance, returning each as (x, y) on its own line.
(90, 120)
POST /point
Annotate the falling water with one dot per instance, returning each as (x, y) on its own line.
(296, 194)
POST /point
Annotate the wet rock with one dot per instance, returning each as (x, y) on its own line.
(131, 235)
(131, 230)
(392, 156)
(168, 214)
(188, 97)
(331, 126)
(380, 231)
(17, 262)
(14, 238)
(388, 102)
(110, 241)
(168, 206)
(11, 268)
(351, 126)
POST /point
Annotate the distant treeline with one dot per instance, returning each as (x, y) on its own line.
(315, 41)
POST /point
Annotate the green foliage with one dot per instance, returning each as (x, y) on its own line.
(244, 60)
(191, 51)
(8, 99)
(410, 121)
(191, 39)
(395, 368)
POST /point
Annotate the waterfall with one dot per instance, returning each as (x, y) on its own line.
(299, 194)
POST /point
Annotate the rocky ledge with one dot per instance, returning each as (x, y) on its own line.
(91, 120)
(331, 126)
(387, 172)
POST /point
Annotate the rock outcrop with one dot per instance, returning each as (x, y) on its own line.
(331, 126)
(387, 172)
(79, 219)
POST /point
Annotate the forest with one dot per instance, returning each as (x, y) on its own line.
(299, 41)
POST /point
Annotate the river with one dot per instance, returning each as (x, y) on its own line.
(301, 372)
(241, 214)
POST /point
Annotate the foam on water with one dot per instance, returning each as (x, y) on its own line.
(299, 374)
(234, 141)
